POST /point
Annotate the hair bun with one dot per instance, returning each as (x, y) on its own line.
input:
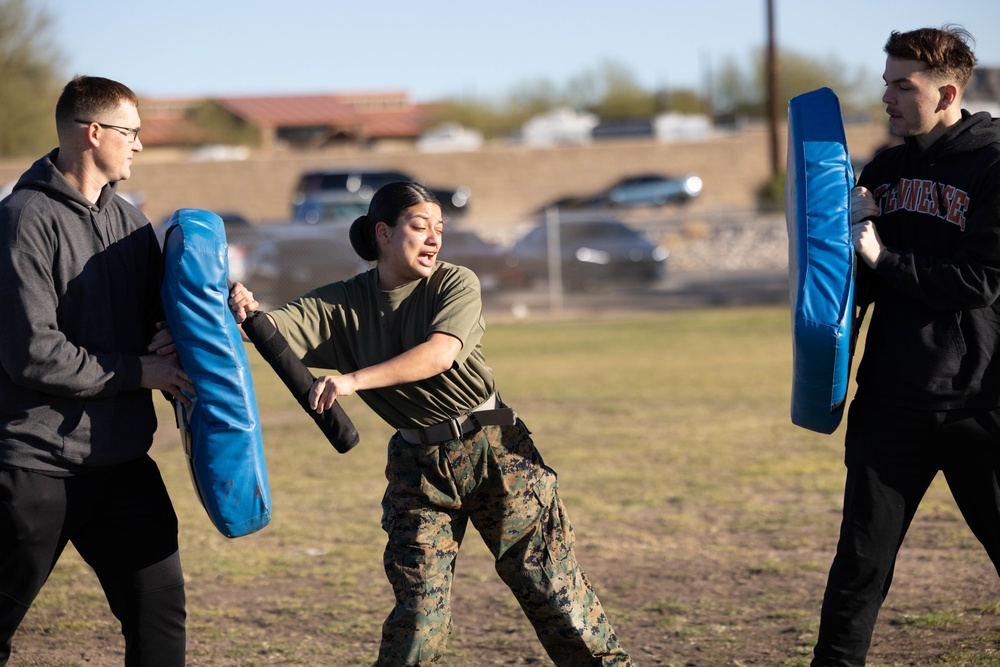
(362, 240)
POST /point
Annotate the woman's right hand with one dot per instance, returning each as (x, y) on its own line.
(241, 302)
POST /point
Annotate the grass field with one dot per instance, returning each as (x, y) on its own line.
(705, 520)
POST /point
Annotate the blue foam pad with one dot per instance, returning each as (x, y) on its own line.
(820, 259)
(221, 430)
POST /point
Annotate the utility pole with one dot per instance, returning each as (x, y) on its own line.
(772, 89)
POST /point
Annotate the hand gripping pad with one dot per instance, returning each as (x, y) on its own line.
(820, 259)
(221, 430)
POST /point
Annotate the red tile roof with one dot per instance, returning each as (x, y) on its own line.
(372, 115)
(389, 124)
(171, 131)
(290, 111)
(362, 115)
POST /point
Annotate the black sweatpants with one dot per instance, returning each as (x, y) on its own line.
(121, 521)
(892, 456)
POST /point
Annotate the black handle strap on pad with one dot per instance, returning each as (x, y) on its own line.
(334, 423)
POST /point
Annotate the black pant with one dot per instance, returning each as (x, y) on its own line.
(892, 456)
(121, 521)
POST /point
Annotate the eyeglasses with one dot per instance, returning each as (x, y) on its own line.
(131, 133)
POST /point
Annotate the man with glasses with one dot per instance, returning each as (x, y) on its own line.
(131, 132)
(82, 347)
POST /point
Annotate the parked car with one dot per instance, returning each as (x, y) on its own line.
(491, 262)
(292, 259)
(330, 205)
(623, 129)
(595, 250)
(450, 137)
(364, 181)
(654, 190)
(635, 191)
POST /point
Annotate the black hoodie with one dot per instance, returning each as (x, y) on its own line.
(935, 326)
(78, 306)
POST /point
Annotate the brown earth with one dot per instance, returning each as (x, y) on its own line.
(734, 598)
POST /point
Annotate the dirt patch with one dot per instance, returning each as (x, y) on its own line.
(732, 600)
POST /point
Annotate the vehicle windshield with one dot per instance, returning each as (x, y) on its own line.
(455, 239)
(313, 212)
(593, 230)
(350, 182)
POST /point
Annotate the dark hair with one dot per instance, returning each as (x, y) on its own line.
(86, 97)
(386, 206)
(947, 51)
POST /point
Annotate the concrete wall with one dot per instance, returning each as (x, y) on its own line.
(507, 182)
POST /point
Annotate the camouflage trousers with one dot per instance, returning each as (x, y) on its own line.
(496, 478)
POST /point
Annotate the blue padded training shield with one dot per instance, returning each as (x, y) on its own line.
(221, 430)
(820, 259)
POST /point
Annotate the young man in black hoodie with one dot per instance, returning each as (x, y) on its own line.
(927, 231)
(81, 347)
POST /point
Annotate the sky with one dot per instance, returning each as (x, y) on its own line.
(470, 48)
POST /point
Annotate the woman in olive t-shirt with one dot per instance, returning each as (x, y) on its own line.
(406, 337)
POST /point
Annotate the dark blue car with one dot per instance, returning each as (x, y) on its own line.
(595, 251)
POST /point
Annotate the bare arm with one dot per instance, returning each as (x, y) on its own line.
(433, 356)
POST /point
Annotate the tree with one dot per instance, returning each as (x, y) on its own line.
(623, 98)
(680, 100)
(505, 115)
(29, 81)
(742, 88)
(610, 91)
(209, 123)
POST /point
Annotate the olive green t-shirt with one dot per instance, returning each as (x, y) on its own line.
(352, 324)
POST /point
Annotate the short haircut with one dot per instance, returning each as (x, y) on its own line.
(946, 51)
(88, 97)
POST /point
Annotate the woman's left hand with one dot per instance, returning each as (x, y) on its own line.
(432, 357)
(327, 388)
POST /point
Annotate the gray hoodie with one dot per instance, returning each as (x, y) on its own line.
(79, 302)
